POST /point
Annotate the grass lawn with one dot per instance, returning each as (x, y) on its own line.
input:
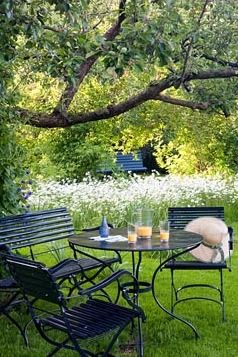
(162, 336)
(88, 201)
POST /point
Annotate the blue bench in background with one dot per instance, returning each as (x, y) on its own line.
(127, 163)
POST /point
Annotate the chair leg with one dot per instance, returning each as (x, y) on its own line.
(222, 296)
(220, 289)
(22, 330)
(173, 291)
(106, 353)
(140, 342)
(4, 311)
(57, 348)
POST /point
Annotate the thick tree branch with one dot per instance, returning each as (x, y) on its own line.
(57, 120)
(152, 92)
(212, 74)
(85, 67)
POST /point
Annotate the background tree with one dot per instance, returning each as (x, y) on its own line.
(188, 44)
(72, 62)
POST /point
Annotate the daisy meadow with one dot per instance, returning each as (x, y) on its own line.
(116, 198)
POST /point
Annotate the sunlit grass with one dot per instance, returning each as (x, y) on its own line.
(163, 336)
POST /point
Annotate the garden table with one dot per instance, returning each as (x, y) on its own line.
(179, 242)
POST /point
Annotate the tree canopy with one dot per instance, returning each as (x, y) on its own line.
(187, 48)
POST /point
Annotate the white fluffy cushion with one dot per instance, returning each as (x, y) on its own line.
(214, 232)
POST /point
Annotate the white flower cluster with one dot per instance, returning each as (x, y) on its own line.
(117, 197)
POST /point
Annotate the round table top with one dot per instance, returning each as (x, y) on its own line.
(178, 239)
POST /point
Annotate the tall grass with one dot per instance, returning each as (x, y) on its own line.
(117, 198)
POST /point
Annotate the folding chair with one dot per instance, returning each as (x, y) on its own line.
(91, 319)
(10, 289)
(72, 270)
(11, 296)
(179, 218)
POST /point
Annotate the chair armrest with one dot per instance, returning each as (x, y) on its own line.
(115, 276)
(125, 292)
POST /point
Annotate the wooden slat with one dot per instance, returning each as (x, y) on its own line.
(127, 162)
(37, 215)
(179, 217)
(33, 228)
(34, 278)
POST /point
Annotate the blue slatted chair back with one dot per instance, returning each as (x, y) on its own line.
(34, 279)
(128, 162)
(29, 229)
(179, 217)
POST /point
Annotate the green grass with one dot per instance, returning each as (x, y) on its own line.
(162, 335)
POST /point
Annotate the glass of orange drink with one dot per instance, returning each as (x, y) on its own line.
(131, 233)
(164, 230)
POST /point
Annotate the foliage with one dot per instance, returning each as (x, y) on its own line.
(75, 153)
(68, 62)
(11, 199)
(72, 152)
(188, 43)
(196, 143)
(36, 145)
(180, 138)
(186, 144)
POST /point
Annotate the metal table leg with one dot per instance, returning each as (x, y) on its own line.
(170, 313)
(135, 271)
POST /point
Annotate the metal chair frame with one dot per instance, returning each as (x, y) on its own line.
(72, 270)
(179, 217)
(41, 227)
(90, 319)
(9, 286)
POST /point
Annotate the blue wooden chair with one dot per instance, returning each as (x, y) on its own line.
(126, 163)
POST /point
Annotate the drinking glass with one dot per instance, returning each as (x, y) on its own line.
(164, 230)
(131, 232)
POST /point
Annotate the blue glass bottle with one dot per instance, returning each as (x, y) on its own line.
(104, 228)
